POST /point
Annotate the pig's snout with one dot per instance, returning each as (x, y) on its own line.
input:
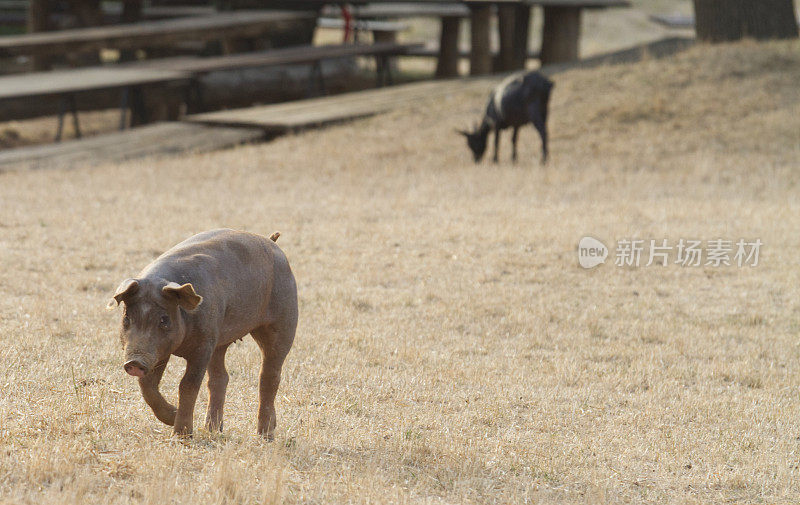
(135, 368)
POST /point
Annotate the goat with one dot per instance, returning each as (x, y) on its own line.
(518, 100)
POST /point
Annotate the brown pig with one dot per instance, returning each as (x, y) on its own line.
(193, 301)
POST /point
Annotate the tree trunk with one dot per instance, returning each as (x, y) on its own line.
(480, 62)
(561, 34)
(447, 65)
(724, 20)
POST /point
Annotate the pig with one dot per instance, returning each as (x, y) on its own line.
(194, 301)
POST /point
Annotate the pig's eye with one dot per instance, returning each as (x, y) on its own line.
(126, 321)
(164, 322)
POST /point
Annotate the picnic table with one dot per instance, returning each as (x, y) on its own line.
(222, 26)
(155, 89)
(66, 84)
(560, 38)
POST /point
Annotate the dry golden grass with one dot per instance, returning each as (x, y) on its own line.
(450, 350)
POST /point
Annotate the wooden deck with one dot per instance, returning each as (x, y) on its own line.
(284, 117)
(154, 140)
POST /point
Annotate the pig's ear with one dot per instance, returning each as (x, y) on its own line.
(183, 294)
(125, 290)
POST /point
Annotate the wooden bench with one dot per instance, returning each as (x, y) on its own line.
(15, 13)
(182, 72)
(66, 84)
(291, 116)
(382, 31)
(222, 26)
(314, 55)
(560, 39)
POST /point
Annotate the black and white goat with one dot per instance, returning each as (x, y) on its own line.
(517, 101)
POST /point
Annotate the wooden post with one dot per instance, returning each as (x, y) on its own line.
(131, 13)
(562, 31)
(506, 25)
(480, 61)
(447, 66)
(522, 24)
(38, 20)
(389, 36)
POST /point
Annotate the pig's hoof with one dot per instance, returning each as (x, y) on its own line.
(183, 433)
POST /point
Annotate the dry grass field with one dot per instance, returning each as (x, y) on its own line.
(450, 349)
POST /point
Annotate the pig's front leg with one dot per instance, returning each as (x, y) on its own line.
(163, 410)
(187, 392)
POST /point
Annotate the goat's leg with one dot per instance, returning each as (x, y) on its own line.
(496, 143)
(514, 144)
(539, 122)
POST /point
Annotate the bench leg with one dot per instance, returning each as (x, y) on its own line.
(67, 104)
(139, 114)
(383, 69)
(123, 108)
(74, 108)
(562, 31)
(316, 80)
(480, 61)
(62, 109)
(379, 71)
(194, 97)
(389, 37)
(447, 66)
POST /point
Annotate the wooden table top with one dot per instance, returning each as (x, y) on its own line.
(84, 79)
(147, 34)
(589, 4)
(279, 56)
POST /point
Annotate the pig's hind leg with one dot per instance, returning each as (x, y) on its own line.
(217, 385)
(275, 340)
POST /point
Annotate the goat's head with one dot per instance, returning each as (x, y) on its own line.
(476, 141)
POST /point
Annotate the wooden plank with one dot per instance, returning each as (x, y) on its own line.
(432, 51)
(283, 56)
(673, 20)
(319, 111)
(160, 139)
(85, 79)
(411, 10)
(241, 24)
(583, 4)
(587, 4)
(362, 25)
